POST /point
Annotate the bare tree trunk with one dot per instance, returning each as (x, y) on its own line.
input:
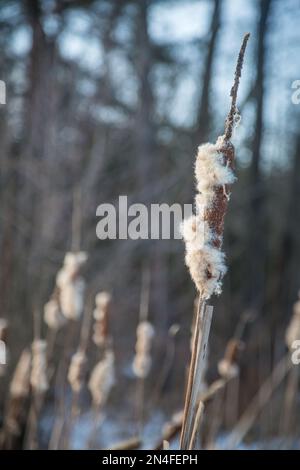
(204, 111)
(35, 195)
(287, 281)
(147, 155)
(256, 223)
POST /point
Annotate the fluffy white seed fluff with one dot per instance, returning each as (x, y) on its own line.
(52, 315)
(20, 384)
(210, 171)
(77, 370)
(142, 361)
(38, 378)
(71, 285)
(102, 379)
(227, 369)
(207, 268)
(102, 300)
(205, 262)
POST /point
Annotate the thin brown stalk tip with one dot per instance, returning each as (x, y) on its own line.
(234, 90)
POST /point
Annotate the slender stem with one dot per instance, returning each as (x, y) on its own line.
(191, 368)
(259, 401)
(76, 219)
(197, 423)
(203, 322)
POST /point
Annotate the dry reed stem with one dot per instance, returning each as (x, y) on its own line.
(15, 412)
(288, 417)
(202, 328)
(38, 387)
(166, 445)
(197, 423)
(60, 387)
(76, 219)
(192, 367)
(170, 430)
(129, 444)
(173, 428)
(259, 401)
(82, 348)
(168, 363)
(142, 354)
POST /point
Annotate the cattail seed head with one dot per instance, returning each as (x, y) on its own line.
(228, 367)
(293, 330)
(20, 384)
(3, 346)
(102, 379)
(3, 329)
(203, 232)
(101, 313)
(77, 370)
(142, 361)
(53, 316)
(71, 285)
(38, 378)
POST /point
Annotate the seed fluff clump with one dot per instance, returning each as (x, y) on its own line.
(203, 232)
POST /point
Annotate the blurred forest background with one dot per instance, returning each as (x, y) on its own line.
(108, 98)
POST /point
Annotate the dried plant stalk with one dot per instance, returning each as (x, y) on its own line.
(197, 368)
(128, 444)
(287, 419)
(197, 423)
(101, 382)
(166, 445)
(262, 397)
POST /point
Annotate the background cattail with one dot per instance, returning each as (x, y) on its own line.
(3, 329)
(53, 316)
(20, 384)
(71, 285)
(102, 379)
(77, 371)
(3, 345)
(101, 312)
(293, 330)
(16, 410)
(228, 367)
(38, 378)
(142, 360)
